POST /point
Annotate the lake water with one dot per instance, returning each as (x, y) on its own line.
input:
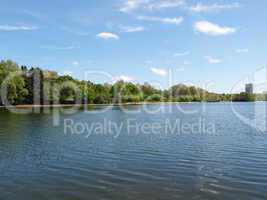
(194, 151)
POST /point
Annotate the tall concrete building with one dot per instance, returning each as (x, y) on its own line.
(249, 88)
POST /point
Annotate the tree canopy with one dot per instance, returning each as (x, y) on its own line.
(23, 85)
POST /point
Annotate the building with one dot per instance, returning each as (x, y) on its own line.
(249, 88)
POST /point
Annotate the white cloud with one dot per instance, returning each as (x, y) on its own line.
(75, 63)
(132, 29)
(158, 71)
(241, 50)
(163, 4)
(212, 29)
(123, 78)
(107, 36)
(131, 5)
(151, 5)
(214, 7)
(176, 20)
(182, 54)
(17, 28)
(212, 60)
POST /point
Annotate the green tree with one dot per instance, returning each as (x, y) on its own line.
(11, 78)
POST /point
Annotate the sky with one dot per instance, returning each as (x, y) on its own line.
(213, 44)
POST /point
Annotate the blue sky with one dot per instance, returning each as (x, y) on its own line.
(201, 42)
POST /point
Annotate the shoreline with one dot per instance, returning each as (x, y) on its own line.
(82, 105)
(110, 104)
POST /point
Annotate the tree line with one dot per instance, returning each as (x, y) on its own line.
(24, 85)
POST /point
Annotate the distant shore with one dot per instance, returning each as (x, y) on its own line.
(110, 104)
(82, 105)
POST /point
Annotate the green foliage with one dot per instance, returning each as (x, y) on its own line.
(155, 98)
(183, 93)
(11, 79)
(123, 92)
(243, 96)
(261, 97)
(101, 99)
(35, 86)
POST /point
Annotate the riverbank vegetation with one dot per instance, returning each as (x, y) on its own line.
(24, 85)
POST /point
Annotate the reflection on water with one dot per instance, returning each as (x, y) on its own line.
(39, 161)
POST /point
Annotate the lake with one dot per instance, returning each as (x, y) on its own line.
(165, 151)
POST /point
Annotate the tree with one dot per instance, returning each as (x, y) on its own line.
(11, 79)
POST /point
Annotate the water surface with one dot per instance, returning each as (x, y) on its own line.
(41, 161)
